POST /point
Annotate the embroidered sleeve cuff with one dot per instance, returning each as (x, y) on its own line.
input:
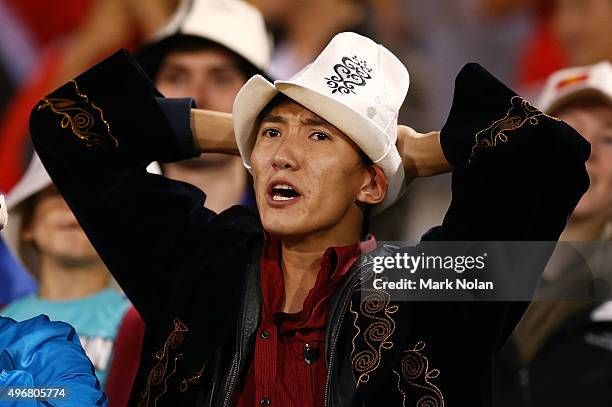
(178, 114)
(478, 116)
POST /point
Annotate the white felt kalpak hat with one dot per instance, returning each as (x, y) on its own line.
(235, 24)
(568, 85)
(356, 85)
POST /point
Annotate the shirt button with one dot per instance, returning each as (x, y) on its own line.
(265, 335)
(265, 401)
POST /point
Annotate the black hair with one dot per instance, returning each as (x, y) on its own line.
(278, 100)
(151, 56)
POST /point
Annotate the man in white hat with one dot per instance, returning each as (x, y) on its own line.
(582, 97)
(207, 51)
(557, 338)
(275, 309)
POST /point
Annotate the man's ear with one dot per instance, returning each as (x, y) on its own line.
(374, 188)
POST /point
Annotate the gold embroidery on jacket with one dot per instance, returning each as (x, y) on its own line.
(521, 113)
(416, 373)
(375, 309)
(158, 373)
(75, 116)
(399, 380)
(166, 379)
(192, 380)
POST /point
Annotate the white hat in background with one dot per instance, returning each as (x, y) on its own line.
(356, 85)
(2, 212)
(568, 85)
(33, 181)
(234, 24)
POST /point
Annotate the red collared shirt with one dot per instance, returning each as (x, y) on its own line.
(288, 368)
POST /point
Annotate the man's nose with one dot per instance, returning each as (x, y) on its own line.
(199, 92)
(597, 143)
(286, 155)
(199, 96)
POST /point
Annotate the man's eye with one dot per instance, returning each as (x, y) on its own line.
(319, 136)
(271, 133)
(173, 78)
(224, 80)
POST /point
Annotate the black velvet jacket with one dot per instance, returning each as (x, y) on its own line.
(194, 275)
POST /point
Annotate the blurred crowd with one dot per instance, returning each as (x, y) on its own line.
(47, 265)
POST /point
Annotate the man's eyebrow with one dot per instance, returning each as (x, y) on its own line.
(173, 66)
(273, 119)
(316, 122)
(223, 69)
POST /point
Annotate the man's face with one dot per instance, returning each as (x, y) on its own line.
(584, 30)
(594, 122)
(209, 76)
(308, 175)
(55, 231)
(212, 78)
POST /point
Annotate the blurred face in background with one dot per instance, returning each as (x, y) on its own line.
(593, 120)
(584, 30)
(55, 232)
(209, 76)
(212, 77)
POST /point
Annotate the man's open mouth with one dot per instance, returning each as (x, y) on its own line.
(283, 192)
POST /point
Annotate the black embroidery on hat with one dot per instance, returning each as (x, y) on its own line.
(350, 72)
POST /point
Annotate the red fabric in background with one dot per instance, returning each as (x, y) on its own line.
(49, 20)
(128, 347)
(542, 54)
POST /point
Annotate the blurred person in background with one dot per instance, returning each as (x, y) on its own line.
(207, 52)
(40, 353)
(561, 352)
(584, 30)
(73, 281)
(539, 52)
(566, 33)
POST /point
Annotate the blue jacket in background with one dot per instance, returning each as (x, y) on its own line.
(40, 353)
(15, 281)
